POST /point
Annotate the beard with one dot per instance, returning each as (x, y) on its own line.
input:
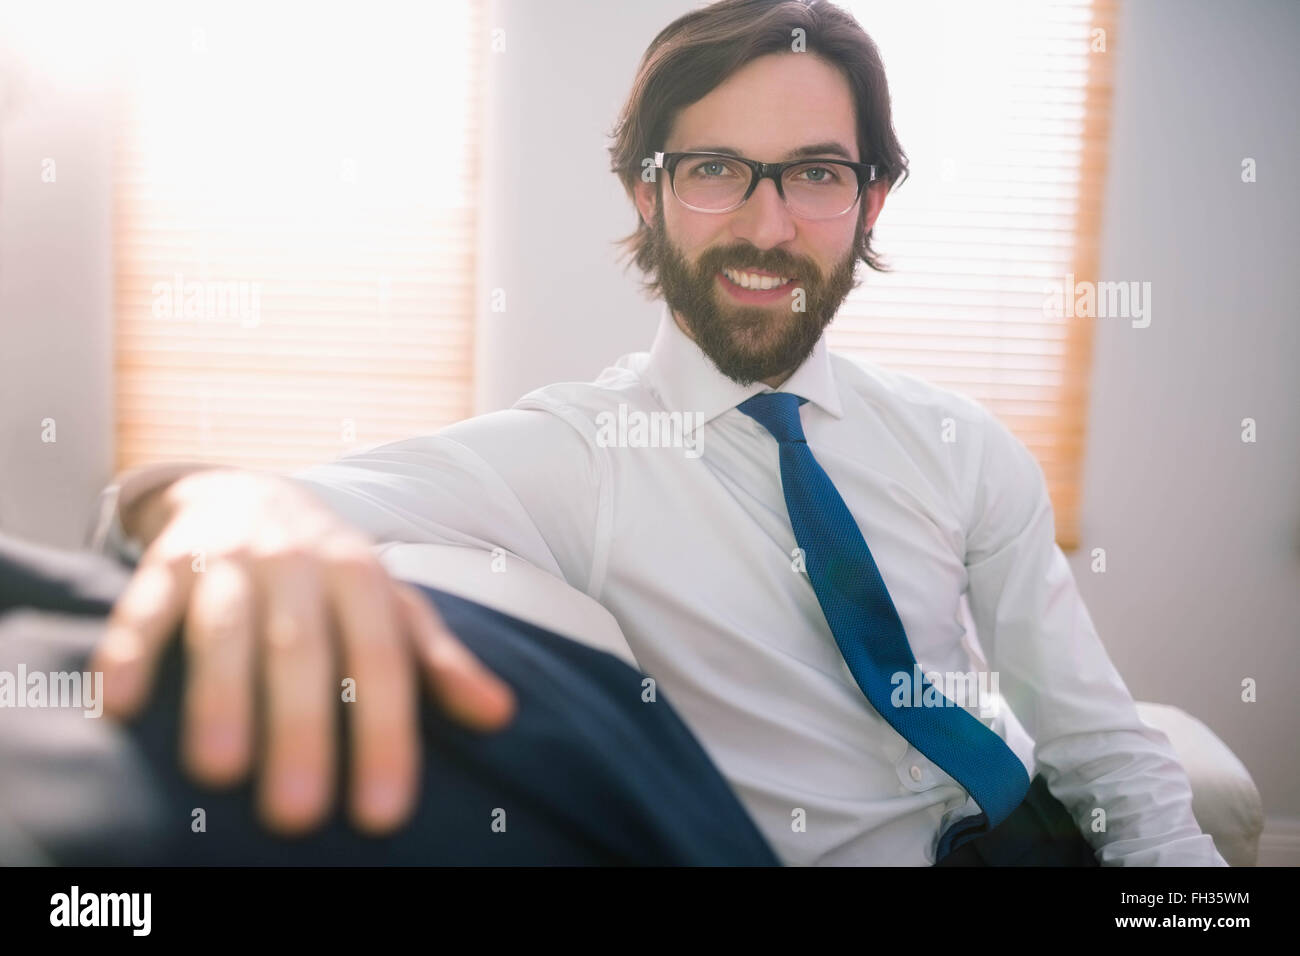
(755, 342)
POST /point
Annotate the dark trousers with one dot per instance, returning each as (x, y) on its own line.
(587, 772)
(1039, 832)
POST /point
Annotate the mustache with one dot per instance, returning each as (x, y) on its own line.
(783, 268)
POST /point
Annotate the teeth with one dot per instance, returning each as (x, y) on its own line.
(750, 281)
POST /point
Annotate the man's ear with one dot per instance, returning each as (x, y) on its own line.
(646, 195)
(873, 200)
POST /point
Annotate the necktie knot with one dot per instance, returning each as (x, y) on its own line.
(778, 412)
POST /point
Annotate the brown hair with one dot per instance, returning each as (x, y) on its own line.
(701, 49)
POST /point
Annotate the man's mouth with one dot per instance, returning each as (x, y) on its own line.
(756, 281)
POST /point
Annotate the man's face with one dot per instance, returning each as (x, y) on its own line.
(772, 106)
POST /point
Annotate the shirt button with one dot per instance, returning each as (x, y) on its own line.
(916, 773)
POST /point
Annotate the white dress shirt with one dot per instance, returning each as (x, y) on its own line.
(691, 549)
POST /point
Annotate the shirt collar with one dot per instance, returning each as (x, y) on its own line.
(686, 380)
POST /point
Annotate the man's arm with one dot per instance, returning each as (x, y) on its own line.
(524, 480)
(290, 581)
(1054, 673)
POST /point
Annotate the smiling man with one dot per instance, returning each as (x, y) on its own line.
(775, 584)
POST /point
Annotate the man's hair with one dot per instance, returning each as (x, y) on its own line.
(701, 49)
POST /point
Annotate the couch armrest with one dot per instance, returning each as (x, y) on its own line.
(1225, 800)
(511, 585)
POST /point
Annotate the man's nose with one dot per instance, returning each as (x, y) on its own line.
(764, 219)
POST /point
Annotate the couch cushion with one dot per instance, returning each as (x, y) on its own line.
(516, 588)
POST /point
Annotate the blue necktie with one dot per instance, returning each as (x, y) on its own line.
(870, 635)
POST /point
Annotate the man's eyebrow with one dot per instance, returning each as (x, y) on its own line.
(828, 148)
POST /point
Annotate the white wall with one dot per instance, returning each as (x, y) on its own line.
(554, 95)
(1202, 531)
(56, 354)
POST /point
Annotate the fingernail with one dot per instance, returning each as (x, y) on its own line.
(219, 742)
(500, 701)
(121, 685)
(381, 800)
(294, 791)
(119, 647)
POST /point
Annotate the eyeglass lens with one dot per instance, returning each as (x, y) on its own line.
(814, 189)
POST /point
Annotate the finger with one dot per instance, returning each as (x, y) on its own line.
(141, 623)
(467, 689)
(298, 762)
(217, 717)
(383, 716)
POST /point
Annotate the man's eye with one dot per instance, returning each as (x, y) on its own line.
(819, 174)
(717, 169)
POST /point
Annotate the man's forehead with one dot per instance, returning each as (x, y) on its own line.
(770, 109)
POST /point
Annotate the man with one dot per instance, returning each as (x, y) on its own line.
(807, 536)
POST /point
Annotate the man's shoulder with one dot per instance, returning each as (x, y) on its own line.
(899, 394)
(984, 459)
(618, 384)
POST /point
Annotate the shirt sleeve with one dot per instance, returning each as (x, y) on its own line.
(523, 480)
(1090, 744)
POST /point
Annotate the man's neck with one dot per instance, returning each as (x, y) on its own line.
(774, 383)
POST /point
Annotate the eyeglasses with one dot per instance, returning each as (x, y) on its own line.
(720, 182)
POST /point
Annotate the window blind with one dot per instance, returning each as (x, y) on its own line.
(294, 223)
(1004, 110)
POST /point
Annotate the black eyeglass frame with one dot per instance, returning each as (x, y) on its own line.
(865, 172)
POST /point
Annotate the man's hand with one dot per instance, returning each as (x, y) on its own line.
(278, 594)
